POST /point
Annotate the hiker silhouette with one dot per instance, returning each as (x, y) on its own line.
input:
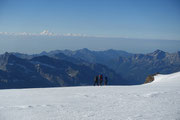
(96, 81)
(100, 79)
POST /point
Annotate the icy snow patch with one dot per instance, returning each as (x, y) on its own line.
(159, 100)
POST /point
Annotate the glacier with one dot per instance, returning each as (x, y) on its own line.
(158, 100)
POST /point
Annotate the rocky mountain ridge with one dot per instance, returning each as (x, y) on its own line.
(45, 71)
(128, 68)
(133, 67)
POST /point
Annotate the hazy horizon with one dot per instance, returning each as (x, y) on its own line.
(33, 44)
(134, 26)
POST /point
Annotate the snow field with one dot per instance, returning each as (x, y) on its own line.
(159, 100)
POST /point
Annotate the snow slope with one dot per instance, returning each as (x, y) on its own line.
(159, 100)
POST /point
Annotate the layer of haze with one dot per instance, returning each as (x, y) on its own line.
(37, 44)
(130, 25)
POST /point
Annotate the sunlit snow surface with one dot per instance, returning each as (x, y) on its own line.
(159, 100)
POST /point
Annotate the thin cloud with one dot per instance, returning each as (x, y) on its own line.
(51, 34)
(43, 33)
(46, 32)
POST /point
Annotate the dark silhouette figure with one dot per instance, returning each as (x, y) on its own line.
(96, 82)
(101, 79)
(105, 80)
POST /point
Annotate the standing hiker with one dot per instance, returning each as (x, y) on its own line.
(105, 80)
(101, 79)
(96, 81)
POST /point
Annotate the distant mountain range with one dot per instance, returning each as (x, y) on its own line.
(139, 66)
(132, 67)
(71, 68)
(44, 71)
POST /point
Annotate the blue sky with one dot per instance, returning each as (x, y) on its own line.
(134, 19)
(151, 19)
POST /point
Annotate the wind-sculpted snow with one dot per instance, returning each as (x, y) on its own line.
(172, 79)
(159, 100)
